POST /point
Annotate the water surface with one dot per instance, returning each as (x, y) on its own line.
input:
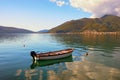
(102, 62)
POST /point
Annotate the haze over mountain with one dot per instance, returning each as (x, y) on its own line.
(43, 31)
(107, 23)
(4, 29)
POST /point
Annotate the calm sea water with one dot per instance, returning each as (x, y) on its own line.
(102, 62)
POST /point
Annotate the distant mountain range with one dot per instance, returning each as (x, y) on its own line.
(107, 23)
(4, 29)
(43, 31)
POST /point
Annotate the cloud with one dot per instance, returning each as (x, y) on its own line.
(52, 0)
(59, 2)
(98, 8)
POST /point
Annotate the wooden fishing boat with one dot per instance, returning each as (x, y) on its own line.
(51, 55)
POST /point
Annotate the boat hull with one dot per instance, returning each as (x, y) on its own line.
(53, 57)
(42, 63)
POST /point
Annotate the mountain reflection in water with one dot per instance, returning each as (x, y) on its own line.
(101, 63)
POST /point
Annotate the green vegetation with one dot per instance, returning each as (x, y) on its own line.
(107, 23)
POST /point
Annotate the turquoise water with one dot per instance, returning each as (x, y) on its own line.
(102, 62)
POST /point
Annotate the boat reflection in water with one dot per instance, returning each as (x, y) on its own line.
(41, 63)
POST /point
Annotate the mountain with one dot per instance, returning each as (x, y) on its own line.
(43, 31)
(107, 23)
(4, 29)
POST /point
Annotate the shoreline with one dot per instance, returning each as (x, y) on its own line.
(100, 33)
(91, 33)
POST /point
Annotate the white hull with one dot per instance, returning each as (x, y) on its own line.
(53, 57)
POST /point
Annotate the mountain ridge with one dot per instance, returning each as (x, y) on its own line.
(5, 29)
(107, 23)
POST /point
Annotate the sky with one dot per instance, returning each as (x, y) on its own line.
(37, 15)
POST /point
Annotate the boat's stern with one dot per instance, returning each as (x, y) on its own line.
(33, 54)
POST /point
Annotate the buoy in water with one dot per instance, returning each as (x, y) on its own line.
(86, 54)
(24, 45)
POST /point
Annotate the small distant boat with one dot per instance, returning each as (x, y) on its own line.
(52, 55)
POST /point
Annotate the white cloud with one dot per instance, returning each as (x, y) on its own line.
(98, 8)
(59, 2)
(52, 0)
